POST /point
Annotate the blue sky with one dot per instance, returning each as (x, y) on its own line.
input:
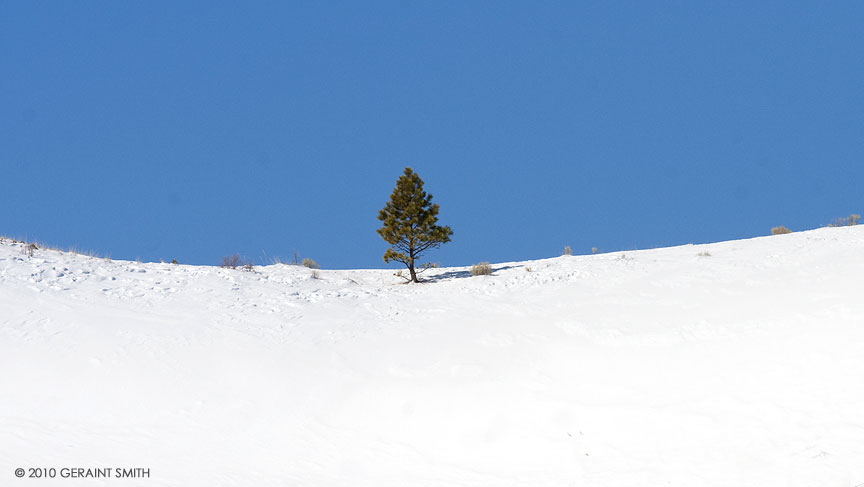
(195, 130)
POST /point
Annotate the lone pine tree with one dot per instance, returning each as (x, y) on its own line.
(411, 223)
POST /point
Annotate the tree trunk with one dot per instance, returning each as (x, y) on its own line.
(411, 257)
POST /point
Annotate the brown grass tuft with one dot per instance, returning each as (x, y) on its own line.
(481, 269)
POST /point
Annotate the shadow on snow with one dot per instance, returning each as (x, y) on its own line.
(447, 276)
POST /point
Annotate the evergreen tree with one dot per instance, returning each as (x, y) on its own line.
(410, 223)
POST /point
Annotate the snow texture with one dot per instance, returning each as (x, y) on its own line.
(744, 367)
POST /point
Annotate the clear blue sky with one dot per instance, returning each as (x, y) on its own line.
(195, 130)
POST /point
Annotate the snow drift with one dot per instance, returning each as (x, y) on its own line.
(744, 367)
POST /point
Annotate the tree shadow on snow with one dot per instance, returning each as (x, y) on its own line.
(448, 276)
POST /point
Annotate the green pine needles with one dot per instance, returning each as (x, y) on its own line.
(410, 223)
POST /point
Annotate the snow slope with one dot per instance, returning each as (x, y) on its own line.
(643, 368)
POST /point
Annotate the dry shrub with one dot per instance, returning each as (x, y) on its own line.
(234, 262)
(481, 269)
(849, 221)
(307, 262)
(568, 250)
(30, 248)
(231, 262)
(780, 230)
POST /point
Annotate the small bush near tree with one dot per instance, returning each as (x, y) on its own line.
(780, 230)
(481, 269)
(307, 262)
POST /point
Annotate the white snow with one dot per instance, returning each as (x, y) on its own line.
(641, 368)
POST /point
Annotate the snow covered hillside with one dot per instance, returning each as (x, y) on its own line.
(744, 367)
